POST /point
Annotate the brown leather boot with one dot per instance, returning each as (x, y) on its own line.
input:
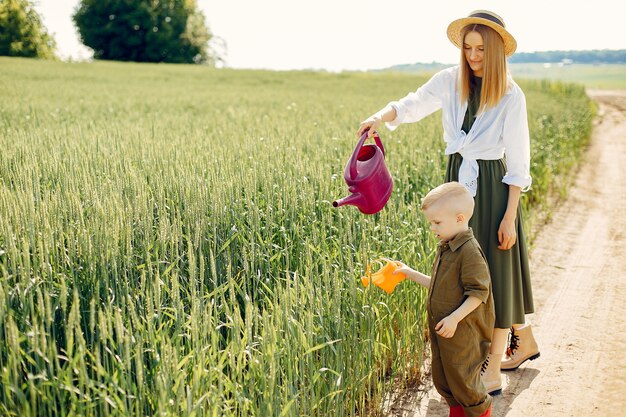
(490, 374)
(522, 347)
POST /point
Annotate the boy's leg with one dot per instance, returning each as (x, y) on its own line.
(437, 371)
(462, 357)
(487, 413)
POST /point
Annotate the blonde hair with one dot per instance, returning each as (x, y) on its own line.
(454, 195)
(495, 80)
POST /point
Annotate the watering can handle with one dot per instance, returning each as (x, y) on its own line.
(359, 144)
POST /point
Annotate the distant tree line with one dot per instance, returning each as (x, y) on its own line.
(172, 31)
(595, 56)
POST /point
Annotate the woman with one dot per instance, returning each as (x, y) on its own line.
(486, 132)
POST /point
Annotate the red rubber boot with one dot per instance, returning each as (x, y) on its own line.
(457, 411)
(487, 413)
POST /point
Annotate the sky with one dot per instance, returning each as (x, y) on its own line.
(336, 35)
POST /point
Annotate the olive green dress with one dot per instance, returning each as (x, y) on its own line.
(510, 274)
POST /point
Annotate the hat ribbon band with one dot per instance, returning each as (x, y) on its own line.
(488, 17)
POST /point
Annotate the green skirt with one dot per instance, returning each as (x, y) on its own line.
(510, 274)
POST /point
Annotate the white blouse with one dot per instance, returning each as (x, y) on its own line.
(501, 131)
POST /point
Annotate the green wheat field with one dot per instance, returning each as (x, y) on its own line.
(168, 245)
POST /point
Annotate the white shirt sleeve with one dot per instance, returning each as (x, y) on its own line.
(516, 140)
(420, 103)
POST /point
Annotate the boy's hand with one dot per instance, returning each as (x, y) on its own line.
(401, 267)
(446, 327)
(410, 273)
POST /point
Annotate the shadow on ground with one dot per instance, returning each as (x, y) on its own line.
(518, 382)
(427, 403)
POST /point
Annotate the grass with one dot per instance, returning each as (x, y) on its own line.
(168, 244)
(602, 76)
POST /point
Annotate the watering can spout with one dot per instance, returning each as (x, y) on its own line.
(353, 199)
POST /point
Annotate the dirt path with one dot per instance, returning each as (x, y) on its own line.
(578, 266)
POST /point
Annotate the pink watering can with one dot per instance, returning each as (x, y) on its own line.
(367, 177)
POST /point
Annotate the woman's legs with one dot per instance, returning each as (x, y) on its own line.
(490, 374)
(498, 341)
(523, 347)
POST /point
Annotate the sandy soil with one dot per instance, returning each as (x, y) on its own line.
(578, 266)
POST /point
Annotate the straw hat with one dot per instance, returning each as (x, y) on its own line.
(482, 17)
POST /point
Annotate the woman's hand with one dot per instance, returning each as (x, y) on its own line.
(507, 235)
(372, 123)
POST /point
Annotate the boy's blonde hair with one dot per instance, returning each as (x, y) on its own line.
(454, 195)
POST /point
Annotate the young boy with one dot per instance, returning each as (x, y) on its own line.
(460, 304)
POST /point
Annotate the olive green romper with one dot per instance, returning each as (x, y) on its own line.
(460, 270)
(510, 274)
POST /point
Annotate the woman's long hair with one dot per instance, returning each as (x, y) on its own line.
(494, 68)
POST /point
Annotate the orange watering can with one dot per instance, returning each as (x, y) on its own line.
(367, 177)
(384, 278)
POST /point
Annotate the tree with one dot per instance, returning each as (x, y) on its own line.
(144, 30)
(21, 31)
